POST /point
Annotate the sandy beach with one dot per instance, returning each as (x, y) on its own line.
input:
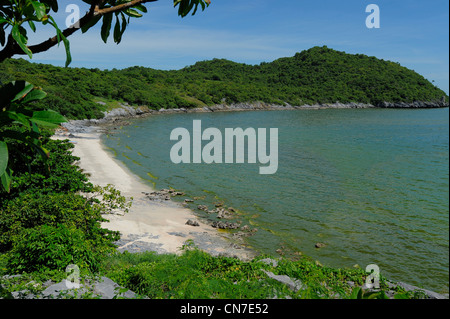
(158, 226)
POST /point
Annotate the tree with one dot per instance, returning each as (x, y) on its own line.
(16, 14)
(16, 107)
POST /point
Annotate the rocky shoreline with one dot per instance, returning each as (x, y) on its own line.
(126, 111)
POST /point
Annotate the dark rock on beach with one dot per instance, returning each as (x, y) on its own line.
(192, 223)
(203, 207)
(225, 225)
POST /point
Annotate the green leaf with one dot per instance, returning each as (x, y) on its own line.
(357, 293)
(32, 26)
(117, 34)
(40, 9)
(67, 47)
(19, 117)
(42, 152)
(141, 8)
(24, 88)
(6, 179)
(2, 36)
(60, 37)
(48, 118)
(51, 3)
(33, 96)
(3, 157)
(21, 39)
(132, 13)
(106, 27)
(93, 21)
(35, 129)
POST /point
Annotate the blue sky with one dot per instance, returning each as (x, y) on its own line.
(414, 33)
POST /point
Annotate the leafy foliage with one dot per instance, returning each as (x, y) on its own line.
(53, 248)
(14, 15)
(16, 102)
(197, 275)
(47, 193)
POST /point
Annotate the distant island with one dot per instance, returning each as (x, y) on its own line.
(319, 75)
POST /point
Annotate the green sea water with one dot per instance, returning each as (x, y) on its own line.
(372, 184)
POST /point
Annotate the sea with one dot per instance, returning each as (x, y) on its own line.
(372, 185)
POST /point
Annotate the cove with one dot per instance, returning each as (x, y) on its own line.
(372, 184)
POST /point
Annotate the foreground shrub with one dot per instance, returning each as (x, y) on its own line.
(32, 210)
(54, 248)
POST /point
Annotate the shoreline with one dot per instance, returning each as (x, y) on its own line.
(125, 111)
(158, 226)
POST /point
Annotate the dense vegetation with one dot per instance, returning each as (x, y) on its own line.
(317, 75)
(45, 222)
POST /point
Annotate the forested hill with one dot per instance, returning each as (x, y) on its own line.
(317, 75)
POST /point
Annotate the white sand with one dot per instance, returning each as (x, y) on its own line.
(161, 224)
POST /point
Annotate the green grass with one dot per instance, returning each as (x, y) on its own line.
(197, 275)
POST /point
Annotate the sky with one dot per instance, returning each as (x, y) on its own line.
(414, 33)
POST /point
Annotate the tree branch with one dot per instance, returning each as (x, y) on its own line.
(121, 7)
(11, 48)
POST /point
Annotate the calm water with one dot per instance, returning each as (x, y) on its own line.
(371, 184)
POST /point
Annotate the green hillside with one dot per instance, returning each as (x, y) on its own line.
(317, 75)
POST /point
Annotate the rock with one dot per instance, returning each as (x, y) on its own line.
(104, 288)
(293, 284)
(188, 200)
(178, 234)
(203, 207)
(223, 213)
(320, 245)
(192, 223)
(248, 229)
(163, 195)
(64, 288)
(428, 293)
(225, 225)
(270, 262)
(108, 289)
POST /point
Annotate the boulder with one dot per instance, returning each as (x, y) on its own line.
(225, 225)
(192, 223)
(104, 288)
(293, 284)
